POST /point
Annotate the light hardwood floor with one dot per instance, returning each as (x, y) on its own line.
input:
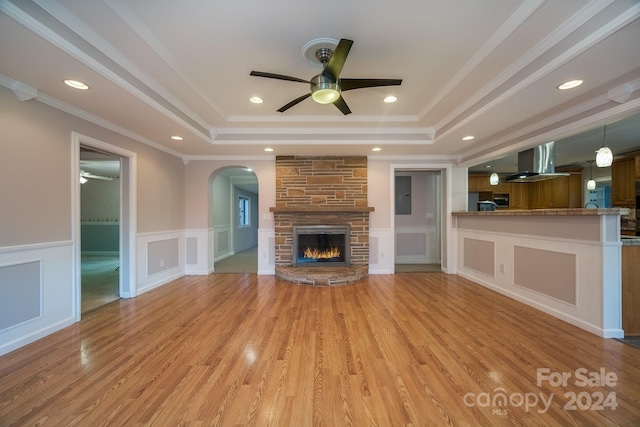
(241, 349)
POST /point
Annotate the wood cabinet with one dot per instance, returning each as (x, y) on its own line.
(623, 182)
(638, 166)
(519, 196)
(556, 193)
(479, 183)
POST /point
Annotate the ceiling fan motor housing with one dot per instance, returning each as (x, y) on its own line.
(324, 90)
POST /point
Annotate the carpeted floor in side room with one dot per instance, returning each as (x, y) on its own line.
(242, 262)
(100, 279)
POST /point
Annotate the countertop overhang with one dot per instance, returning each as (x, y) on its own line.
(541, 212)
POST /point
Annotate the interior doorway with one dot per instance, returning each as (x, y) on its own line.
(417, 220)
(111, 239)
(99, 228)
(234, 217)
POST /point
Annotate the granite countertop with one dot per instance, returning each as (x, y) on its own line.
(541, 212)
(630, 240)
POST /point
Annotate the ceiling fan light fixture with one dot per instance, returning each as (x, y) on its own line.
(323, 90)
(325, 96)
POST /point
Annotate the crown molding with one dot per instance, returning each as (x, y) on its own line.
(520, 16)
(578, 19)
(57, 15)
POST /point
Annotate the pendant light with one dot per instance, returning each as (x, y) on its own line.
(591, 184)
(494, 179)
(604, 156)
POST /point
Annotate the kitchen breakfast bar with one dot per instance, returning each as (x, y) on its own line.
(565, 262)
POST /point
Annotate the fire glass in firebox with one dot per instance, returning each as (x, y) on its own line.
(320, 245)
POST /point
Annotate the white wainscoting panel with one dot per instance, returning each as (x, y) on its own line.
(266, 251)
(382, 262)
(198, 252)
(56, 292)
(171, 268)
(222, 242)
(417, 245)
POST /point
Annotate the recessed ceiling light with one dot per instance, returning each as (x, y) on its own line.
(389, 99)
(570, 84)
(269, 149)
(177, 138)
(256, 100)
(468, 138)
(376, 149)
(76, 84)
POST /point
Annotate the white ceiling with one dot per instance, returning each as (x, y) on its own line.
(486, 68)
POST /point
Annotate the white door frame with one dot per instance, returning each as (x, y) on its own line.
(128, 215)
(446, 240)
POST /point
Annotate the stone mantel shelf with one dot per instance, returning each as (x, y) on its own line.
(321, 209)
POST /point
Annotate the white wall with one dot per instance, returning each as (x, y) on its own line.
(38, 181)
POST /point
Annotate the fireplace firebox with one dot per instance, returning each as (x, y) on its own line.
(321, 245)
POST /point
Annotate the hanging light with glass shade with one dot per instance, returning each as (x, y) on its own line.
(604, 156)
(591, 184)
(494, 179)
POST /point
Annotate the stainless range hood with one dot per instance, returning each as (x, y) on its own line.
(536, 164)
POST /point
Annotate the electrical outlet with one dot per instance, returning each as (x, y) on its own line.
(161, 262)
(501, 268)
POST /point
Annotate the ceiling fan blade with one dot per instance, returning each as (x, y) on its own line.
(342, 106)
(350, 84)
(278, 76)
(337, 60)
(103, 178)
(294, 102)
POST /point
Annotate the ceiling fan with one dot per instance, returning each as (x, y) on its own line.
(327, 86)
(84, 176)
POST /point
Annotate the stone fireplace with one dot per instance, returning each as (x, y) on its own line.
(330, 192)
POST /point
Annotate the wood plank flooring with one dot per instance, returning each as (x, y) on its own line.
(408, 349)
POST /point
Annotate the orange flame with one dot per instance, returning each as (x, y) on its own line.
(315, 253)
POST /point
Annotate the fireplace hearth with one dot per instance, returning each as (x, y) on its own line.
(321, 246)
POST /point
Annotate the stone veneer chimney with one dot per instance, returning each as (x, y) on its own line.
(321, 190)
